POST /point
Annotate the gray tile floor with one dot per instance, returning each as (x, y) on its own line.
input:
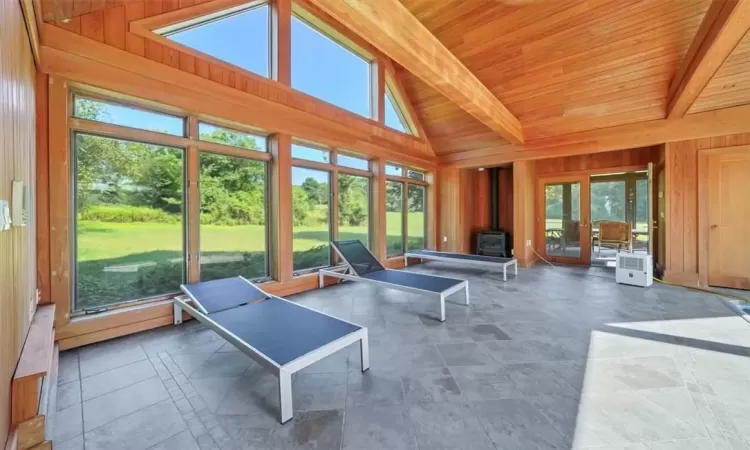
(556, 359)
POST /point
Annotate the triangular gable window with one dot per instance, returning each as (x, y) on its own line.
(395, 116)
(238, 36)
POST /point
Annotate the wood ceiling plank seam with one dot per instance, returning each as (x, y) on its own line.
(600, 18)
(583, 73)
(612, 53)
(646, 39)
(604, 104)
(651, 68)
(516, 26)
(594, 84)
(635, 117)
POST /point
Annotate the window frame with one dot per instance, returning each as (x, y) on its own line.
(329, 31)
(391, 91)
(406, 181)
(72, 133)
(159, 27)
(333, 211)
(191, 146)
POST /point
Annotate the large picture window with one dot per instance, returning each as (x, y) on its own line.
(128, 220)
(328, 70)
(311, 194)
(233, 217)
(394, 219)
(416, 231)
(406, 209)
(354, 208)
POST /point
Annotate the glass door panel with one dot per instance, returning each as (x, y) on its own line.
(563, 220)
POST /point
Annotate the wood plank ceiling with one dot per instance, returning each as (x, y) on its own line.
(560, 67)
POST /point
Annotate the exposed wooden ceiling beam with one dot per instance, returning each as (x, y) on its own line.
(643, 134)
(390, 27)
(725, 24)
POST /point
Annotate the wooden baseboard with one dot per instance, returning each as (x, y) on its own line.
(684, 278)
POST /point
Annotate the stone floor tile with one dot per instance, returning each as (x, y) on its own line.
(377, 428)
(112, 380)
(448, 426)
(108, 407)
(138, 430)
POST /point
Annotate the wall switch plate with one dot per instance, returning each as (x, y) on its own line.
(4, 215)
(445, 238)
(20, 206)
(528, 243)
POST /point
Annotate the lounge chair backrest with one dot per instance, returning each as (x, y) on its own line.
(359, 258)
(226, 293)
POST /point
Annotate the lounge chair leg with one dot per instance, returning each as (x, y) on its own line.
(467, 292)
(515, 265)
(285, 395)
(406, 261)
(505, 273)
(177, 314)
(364, 351)
(442, 308)
(320, 279)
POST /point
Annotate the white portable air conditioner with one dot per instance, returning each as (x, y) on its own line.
(637, 270)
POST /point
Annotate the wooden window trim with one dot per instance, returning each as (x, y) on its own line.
(147, 28)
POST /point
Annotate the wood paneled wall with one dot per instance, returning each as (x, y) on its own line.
(455, 209)
(524, 180)
(480, 197)
(17, 155)
(617, 160)
(682, 263)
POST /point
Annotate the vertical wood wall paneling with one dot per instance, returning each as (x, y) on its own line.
(505, 208)
(60, 189)
(17, 162)
(378, 192)
(683, 263)
(42, 188)
(481, 211)
(92, 25)
(281, 207)
(432, 212)
(523, 212)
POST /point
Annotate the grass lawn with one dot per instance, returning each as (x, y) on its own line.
(127, 261)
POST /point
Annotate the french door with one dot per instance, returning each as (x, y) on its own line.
(564, 219)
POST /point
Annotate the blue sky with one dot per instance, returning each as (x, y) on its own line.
(320, 67)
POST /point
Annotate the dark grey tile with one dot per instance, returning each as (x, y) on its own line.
(181, 441)
(448, 426)
(213, 390)
(67, 369)
(377, 428)
(68, 423)
(139, 430)
(230, 364)
(112, 380)
(108, 407)
(430, 385)
(109, 355)
(465, 354)
(307, 430)
(71, 444)
(374, 387)
(68, 394)
(188, 363)
(319, 391)
(517, 424)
